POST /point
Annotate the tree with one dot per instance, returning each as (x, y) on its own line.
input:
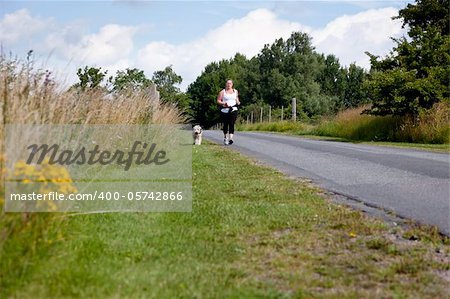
(415, 75)
(130, 80)
(425, 14)
(280, 71)
(90, 77)
(289, 69)
(166, 81)
(355, 94)
(331, 78)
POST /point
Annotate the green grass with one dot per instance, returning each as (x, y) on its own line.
(252, 234)
(279, 126)
(330, 131)
(439, 148)
(442, 148)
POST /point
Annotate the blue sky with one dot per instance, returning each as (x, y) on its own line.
(188, 34)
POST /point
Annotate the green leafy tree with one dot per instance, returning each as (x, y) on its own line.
(167, 82)
(90, 77)
(415, 75)
(354, 93)
(282, 70)
(332, 78)
(130, 80)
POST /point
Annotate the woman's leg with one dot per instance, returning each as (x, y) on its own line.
(225, 122)
(232, 121)
(226, 126)
(233, 117)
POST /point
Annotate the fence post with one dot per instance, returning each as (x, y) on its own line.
(260, 115)
(294, 109)
(270, 113)
(282, 113)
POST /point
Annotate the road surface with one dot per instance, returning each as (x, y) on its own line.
(413, 184)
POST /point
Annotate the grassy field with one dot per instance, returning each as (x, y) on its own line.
(252, 234)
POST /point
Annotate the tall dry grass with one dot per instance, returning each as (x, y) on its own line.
(31, 96)
(431, 126)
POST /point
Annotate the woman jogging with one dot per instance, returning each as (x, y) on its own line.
(228, 98)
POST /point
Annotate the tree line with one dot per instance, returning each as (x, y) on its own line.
(133, 79)
(281, 71)
(413, 77)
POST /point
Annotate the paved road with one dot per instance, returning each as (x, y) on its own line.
(414, 184)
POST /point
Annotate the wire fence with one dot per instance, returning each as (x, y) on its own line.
(266, 114)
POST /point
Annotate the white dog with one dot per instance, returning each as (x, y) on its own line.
(197, 134)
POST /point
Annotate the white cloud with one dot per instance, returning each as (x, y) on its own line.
(111, 44)
(348, 37)
(21, 25)
(246, 35)
(69, 45)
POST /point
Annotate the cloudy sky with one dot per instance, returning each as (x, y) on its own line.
(150, 35)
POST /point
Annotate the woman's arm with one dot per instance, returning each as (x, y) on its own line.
(220, 99)
(237, 98)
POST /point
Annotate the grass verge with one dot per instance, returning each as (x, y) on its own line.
(438, 148)
(252, 233)
(431, 129)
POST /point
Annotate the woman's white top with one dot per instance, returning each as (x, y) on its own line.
(230, 100)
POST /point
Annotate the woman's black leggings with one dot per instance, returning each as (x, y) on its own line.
(228, 120)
